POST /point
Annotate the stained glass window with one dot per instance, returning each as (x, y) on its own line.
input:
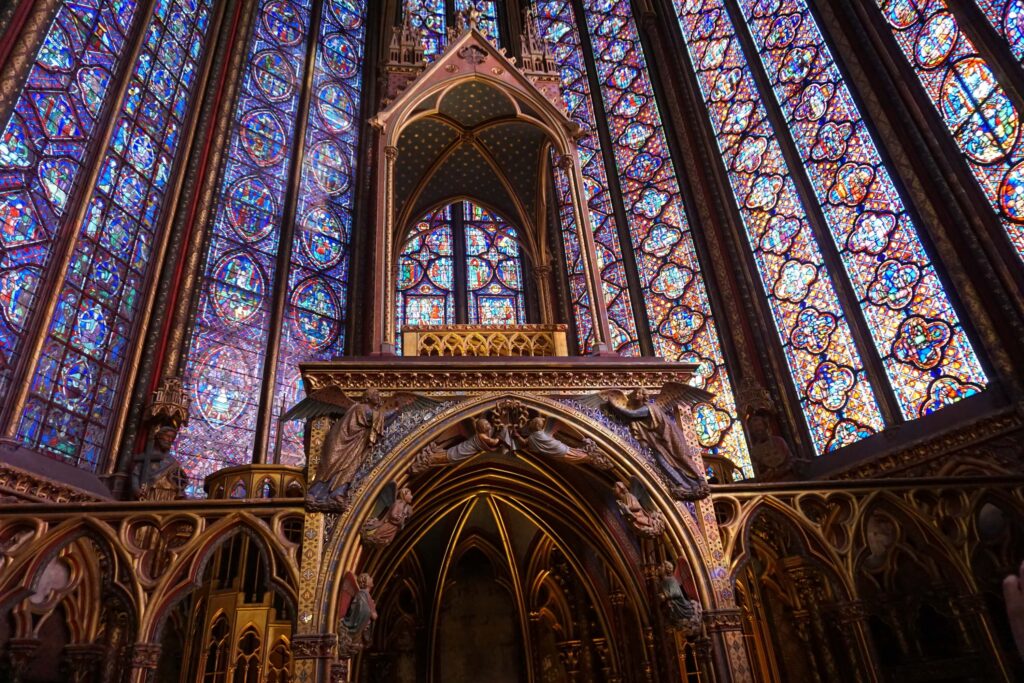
(314, 327)
(72, 397)
(676, 297)
(228, 346)
(430, 17)
(1007, 16)
(837, 399)
(982, 118)
(555, 25)
(426, 274)
(44, 147)
(925, 351)
(494, 272)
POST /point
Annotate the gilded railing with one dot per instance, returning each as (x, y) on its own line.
(484, 340)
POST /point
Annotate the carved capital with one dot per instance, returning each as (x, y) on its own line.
(851, 612)
(339, 672)
(145, 655)
(391, 153)
(314, 646)
(562, 161)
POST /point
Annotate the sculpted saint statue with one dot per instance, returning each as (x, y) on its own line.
(652, 422)
(358, 612)
(382, 530)
(682, 612)
(156, 475)
(645, 520)
(348, 442)
(538, 441)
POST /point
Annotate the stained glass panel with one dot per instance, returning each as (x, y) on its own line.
(827, 370)
(430, 17)
(981, 117)
(71, 402)
(556, 26)
(676, 299)
(494, 272)
(44, 148)
(488, 21)
(426, 274)
(923, 346)
(226, 354)
(314, 327)
(1007, 17)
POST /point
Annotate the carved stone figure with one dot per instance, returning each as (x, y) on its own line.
(682, 612)
(156, 475)
(484, 440)
(773, 460)
(653, 422)
(381, 531)
(349, 440)
(880, 532)
(358, 614)
(1013, 593)
(537, 440)
(645, 520)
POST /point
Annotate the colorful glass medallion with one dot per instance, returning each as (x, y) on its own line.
(319, 237)
(315, 313)
(251, 208)
(223, 385)
(283, 22)
(263, 137)
(330, 166)
(335, 107)
(238, 288)
(274, 75)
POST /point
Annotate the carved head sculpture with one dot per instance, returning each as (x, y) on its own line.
(535, 424)
(638, 397)
(163, 438)
(365, 581)
(881, 535)
(621, 489)
(483, 425)
(405, 494)
(667, 568)
(759, 425)
(372, 396)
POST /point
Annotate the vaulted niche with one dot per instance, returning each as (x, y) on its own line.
(471, 145)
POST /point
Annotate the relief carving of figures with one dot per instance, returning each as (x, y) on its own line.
(397, 505)
(652, 421)
(358, 612)
(485, 439)
(682, 612)
(358, 426)
(537, 439)
(636, 506)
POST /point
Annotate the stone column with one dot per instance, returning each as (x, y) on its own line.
(19, 653)
(853, 622)
(728, 648)
(83, 661)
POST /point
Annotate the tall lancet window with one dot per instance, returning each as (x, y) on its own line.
(979, 114)
(72, 401)
(44, 153)
(267, 192)
(1007, 17)
(916, 332)
(433, 17)
(461, 263)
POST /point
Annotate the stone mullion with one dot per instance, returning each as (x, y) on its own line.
(619, 214)
(37, 326)
(737, 291)
(282, 274)
(22, 29)
(378, 31)
(940, 187)
(460, 284)
(870, 356)
(172, 309)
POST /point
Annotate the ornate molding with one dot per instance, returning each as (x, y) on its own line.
(35, 488)
(314, 645)
(145, 655)
(720, 620)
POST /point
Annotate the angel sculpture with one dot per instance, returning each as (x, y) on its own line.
(537, 440)
(381, 530)
(643, 517)
(484, 440)
(349, 439)
(653, 423)
(358, 614)
(676, 585)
